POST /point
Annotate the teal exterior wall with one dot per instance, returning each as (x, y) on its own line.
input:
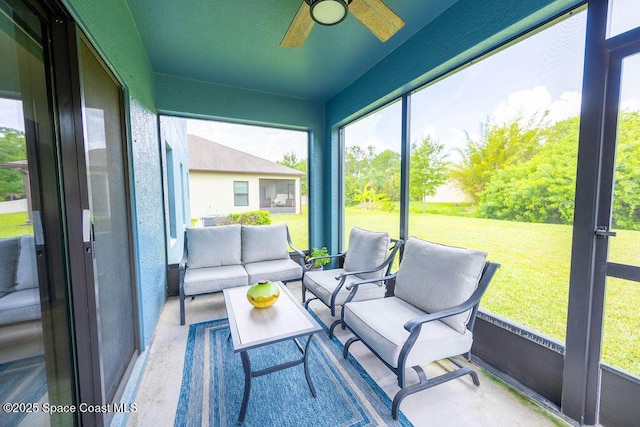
(196, 99)
(467, 29)
(111, 29)
(173, 133)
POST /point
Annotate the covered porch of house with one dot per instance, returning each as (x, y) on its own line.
(456, 403)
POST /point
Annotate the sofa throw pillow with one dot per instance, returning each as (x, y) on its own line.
(9, 250)
(367, 250)
(264, 243)
(213, 246)
(27, 271)
(436, 277)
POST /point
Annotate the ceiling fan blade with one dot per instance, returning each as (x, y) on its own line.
(299, 29)
(377, 17)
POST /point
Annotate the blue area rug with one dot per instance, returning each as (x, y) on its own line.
(213, 383)
(21, 381)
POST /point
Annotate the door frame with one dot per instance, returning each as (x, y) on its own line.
(66, 37)
(594, 190)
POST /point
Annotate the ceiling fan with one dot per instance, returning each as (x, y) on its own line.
(374, 14)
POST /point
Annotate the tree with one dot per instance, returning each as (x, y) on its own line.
(370, 199)
(291, 160)
(500, 146)
(542, 188)
(626, 200)
(429, 170)
(12, 148)
(385, 173)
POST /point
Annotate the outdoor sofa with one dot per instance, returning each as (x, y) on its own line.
(19, 291)
(221, 257)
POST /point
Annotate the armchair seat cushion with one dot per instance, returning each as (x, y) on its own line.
(280, 269)
(213, 279)
(323, 283)
(380, 323)
(20, 306)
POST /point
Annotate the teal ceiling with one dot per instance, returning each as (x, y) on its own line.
(236, 43)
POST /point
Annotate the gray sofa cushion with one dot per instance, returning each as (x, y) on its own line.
(214, 246)
(20, 306)
(9, 250)
(380, 323)
(264, 243)
(367, 250)
(436, 277)
(214, 279)
(279, 269)
(27, 270)
(322, 283)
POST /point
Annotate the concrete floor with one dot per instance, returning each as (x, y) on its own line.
(455, 403)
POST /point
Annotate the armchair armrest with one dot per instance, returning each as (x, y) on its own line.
(296, 250)
(353, 287)
(310, 261)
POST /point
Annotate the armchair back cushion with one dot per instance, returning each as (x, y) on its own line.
(264, 243)
(9, 249)
(367, 250)
(213, 246)
(436, 277)
(27, 272)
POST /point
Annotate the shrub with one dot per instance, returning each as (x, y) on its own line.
(247, 218)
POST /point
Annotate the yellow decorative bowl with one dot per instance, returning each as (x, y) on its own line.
(263, 294)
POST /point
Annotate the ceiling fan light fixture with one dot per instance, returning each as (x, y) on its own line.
(328, 12)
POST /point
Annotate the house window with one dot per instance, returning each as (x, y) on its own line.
(241, 193)
(171, 193)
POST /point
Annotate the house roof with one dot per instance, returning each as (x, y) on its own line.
(209, 156)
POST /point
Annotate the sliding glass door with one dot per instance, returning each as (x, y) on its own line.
(36, 359)
(108, 220)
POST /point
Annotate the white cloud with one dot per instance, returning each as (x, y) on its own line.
(431, 131)
(11, 114)
(534, 102)
(568, 105)
(630, 105)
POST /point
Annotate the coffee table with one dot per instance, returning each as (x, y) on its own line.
(256, 327)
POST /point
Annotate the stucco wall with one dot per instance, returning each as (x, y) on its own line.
(111, 29)
(173, 134)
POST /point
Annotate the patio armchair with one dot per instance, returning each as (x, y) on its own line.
(430, 317)
(370, 256)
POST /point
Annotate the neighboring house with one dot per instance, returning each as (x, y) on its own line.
(223, 180)
(449, 192)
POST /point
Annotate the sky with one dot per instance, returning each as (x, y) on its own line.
(540, 73)
(265, 142)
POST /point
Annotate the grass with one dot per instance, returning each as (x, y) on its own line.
(14, 224)
(532, 286)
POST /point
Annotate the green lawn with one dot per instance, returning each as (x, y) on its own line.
(531, 288)
(14, 224)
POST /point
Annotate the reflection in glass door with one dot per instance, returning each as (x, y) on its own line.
(105, 158)
(621, 341)
(35, 359)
